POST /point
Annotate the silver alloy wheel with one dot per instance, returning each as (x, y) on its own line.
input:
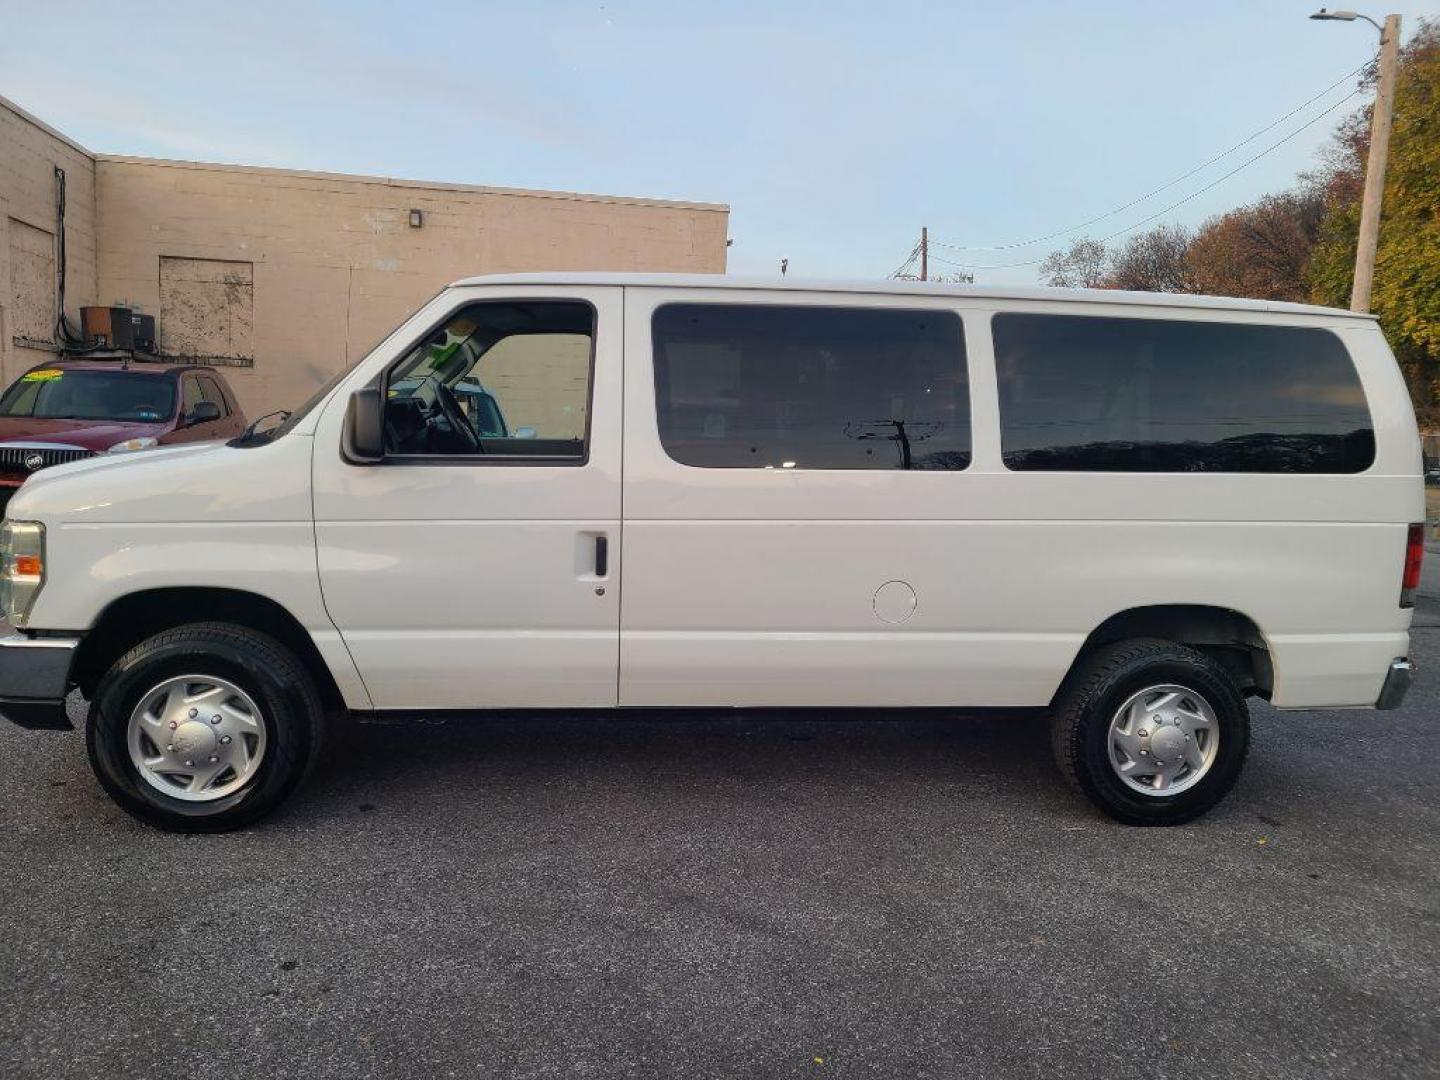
(197, 738)
(1163, 740)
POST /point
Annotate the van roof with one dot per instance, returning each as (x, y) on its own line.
(911, 288)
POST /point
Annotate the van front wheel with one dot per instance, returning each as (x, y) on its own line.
(1152, 732)
(204, 728)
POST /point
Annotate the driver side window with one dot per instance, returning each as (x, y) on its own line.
(504, 380)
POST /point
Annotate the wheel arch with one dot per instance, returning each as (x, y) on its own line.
(1231, 637)
(131, 619)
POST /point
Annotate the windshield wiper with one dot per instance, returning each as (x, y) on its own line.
(249, 435)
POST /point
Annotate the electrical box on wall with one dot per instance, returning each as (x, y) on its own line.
(119, 327)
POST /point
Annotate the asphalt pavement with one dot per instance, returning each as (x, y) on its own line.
(737, 898)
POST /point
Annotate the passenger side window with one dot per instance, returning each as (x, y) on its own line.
(1082, 393)
(498, 380)
(748, 386)
(190, 394)
(213, 393)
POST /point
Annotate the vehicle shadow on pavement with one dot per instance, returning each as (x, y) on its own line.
(997, 757)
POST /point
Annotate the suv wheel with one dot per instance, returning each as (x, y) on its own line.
(1153, 732)
(204, 728)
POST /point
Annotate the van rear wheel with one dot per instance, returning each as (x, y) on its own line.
(204, 728)
(1152, 732)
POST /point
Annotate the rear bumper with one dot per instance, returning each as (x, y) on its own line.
(1397, 684)
(34, 678)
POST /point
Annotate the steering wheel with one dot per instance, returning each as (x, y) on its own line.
(460, 430)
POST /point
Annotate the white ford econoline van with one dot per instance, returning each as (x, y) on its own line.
(596, 491)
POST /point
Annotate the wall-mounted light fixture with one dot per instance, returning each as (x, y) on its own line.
(417, 218)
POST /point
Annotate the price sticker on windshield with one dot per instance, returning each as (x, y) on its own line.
(44, 375)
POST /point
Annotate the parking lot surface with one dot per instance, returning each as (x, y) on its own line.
(736, 898)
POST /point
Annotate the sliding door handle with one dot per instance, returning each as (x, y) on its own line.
(602, 556)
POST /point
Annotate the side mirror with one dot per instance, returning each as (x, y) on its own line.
(204, 412)
(363, 439)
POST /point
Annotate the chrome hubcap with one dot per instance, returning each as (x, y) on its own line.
(196, 738)
(1163, 740)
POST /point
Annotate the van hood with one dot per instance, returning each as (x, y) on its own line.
(196, 482)
(96, 435)
(121, 467)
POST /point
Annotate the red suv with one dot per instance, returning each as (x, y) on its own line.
(73, 409)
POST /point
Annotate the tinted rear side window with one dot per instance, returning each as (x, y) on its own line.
(745, 386)
(1147, 395)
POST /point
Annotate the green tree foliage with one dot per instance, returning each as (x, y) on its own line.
(1406, 293)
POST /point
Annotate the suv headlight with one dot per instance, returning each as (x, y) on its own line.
(129, 445)
(22, 569)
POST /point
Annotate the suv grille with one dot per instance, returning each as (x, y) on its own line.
(21, 459)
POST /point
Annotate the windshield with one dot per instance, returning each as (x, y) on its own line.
(294, 416)
(70, 394)
(291, 418)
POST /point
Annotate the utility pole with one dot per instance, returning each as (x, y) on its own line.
(1369, 238)
(925, 253)
(1375, 166)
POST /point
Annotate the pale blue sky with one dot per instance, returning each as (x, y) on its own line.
(834, 130)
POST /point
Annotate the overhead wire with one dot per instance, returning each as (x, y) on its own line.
(1171, 183)
(909, 259)
(1175, 205)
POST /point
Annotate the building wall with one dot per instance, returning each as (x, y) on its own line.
(299, 274)
(285, 277)
(30, 151)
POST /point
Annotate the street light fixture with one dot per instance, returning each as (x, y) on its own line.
(1346, 16)
(1369, 238)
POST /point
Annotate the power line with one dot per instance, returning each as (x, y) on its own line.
(1170, 184)
(1181, 202)
(904, 269)
(1244, 164)
(908, 260)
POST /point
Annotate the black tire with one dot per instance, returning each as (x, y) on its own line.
(1101, 684)
(269, 673)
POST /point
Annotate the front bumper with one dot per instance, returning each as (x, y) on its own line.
(1397, 684)
(34, 678)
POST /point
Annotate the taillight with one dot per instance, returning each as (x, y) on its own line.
(1414, 553)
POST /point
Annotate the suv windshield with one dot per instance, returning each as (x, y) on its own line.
(69, 394)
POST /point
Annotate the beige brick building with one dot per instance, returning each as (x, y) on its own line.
(285, 276)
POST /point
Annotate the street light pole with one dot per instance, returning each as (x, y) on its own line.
(1369, 238)
(1375, 167)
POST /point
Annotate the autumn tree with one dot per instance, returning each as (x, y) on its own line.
(1152, 261)
(1261, 250)
(1083, 265)
(1406, 293)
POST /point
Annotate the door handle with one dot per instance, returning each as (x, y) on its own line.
(602, 556)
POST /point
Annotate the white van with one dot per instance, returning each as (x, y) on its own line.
(1132, 510)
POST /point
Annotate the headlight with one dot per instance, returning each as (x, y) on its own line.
(22, 569)
(133, 444)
